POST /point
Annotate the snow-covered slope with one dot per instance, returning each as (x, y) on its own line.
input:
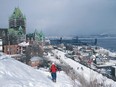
(16, 74)
(87, 73)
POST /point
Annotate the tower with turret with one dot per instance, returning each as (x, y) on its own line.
(17, 20)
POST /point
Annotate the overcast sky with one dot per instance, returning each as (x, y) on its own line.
(63, 17)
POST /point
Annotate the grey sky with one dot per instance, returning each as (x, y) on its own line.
(63, 17)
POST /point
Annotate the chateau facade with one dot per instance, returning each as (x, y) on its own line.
(17, 20)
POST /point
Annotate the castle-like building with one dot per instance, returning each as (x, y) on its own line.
(11, 37)
(17, 20)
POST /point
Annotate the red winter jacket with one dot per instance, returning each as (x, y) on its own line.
(53, 68)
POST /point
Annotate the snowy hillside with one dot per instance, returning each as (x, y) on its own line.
(88, 74)
(16, 74)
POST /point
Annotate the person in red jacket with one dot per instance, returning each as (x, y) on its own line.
(53, 70)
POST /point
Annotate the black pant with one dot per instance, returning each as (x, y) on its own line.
(53, 75)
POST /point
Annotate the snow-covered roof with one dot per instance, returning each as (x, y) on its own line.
(106, 64)
(35, 58)
(23, 44)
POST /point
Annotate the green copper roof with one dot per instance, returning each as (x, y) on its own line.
(39, 36)
(17, 14)
(20, 31)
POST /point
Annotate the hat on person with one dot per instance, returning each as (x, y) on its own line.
(53, 63)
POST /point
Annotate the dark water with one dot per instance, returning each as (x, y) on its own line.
(108, 43)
